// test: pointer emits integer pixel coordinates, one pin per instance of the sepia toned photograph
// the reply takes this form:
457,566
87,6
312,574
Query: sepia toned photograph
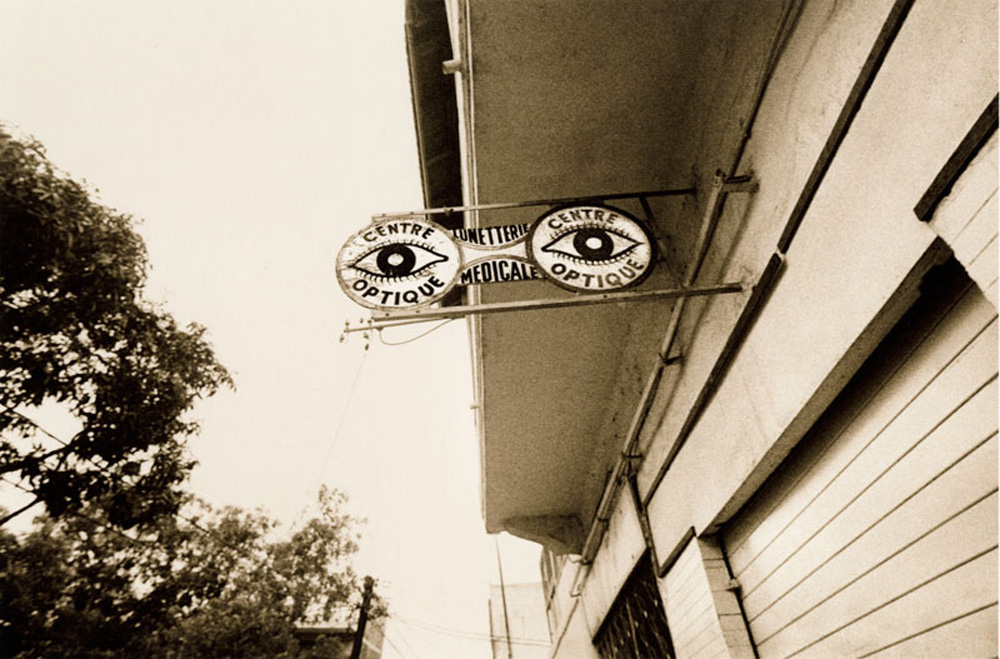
498,329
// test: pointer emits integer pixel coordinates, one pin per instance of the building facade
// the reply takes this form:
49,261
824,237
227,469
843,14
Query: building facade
518,626
804,467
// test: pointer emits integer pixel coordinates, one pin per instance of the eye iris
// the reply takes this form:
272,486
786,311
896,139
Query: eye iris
593,244
396,260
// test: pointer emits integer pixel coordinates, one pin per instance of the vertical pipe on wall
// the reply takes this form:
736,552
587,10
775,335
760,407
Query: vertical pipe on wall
883,42
714,206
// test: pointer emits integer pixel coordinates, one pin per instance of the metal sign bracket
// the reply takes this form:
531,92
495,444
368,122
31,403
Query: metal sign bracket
448,313
722,185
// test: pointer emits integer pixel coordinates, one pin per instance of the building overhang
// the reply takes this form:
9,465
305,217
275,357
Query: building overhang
659,101
435,108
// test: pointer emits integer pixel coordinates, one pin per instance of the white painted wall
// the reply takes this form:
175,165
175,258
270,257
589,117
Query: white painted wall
858,251
967,219
850,272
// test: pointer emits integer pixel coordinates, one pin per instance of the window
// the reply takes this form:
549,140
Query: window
552,566
636,625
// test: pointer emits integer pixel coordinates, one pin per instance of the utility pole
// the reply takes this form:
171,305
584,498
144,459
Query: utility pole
503,598
359,635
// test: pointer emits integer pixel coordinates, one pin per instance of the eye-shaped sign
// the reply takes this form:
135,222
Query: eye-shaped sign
409,261
591,248
398,264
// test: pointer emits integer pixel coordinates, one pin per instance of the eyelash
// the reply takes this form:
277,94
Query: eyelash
389,243
579,259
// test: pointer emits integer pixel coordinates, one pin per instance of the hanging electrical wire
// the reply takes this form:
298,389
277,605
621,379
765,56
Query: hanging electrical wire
470,635
409,651
195,524
414,338
395,647
92,520
336,434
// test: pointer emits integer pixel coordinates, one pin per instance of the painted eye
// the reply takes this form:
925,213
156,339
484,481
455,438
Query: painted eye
397,260
592,245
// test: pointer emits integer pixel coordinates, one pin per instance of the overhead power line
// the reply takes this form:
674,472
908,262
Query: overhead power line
195,524
470,635
336,433
397,630
412,338
93,520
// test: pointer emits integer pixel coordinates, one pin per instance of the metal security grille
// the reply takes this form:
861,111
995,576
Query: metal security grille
636,625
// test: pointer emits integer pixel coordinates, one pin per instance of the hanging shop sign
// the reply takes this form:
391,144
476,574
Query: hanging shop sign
491,236
591,248
494,254
497,269
408,262
398,264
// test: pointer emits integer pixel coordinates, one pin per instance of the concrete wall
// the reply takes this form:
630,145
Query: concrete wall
574,641
967,219
541,130
851,270
854,258
704,615
617,556
581,98
568,626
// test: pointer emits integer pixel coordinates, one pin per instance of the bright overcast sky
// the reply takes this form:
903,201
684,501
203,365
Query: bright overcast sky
252,138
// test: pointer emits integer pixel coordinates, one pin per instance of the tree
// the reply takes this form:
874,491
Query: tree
76,330
213,583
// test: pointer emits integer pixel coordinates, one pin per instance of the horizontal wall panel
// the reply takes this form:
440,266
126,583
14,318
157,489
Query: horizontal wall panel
862,451
966,537
869,406
991,293
687,599
880,527
686,590
977,183
877,496
705,643
967,219
978,628
933,507
967,587
981,229
983,266
696,617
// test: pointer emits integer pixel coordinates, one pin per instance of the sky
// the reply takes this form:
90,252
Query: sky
249,139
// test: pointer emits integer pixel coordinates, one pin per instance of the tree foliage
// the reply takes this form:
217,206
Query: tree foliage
76,330
213,583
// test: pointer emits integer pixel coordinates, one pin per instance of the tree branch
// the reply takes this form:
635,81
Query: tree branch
37,425
20,510
18,465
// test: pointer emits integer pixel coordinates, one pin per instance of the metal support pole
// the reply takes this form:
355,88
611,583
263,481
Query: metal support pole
721,187
443,313
503,598
448,210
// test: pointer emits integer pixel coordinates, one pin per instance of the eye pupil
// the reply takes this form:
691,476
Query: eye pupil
396,260
593,244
